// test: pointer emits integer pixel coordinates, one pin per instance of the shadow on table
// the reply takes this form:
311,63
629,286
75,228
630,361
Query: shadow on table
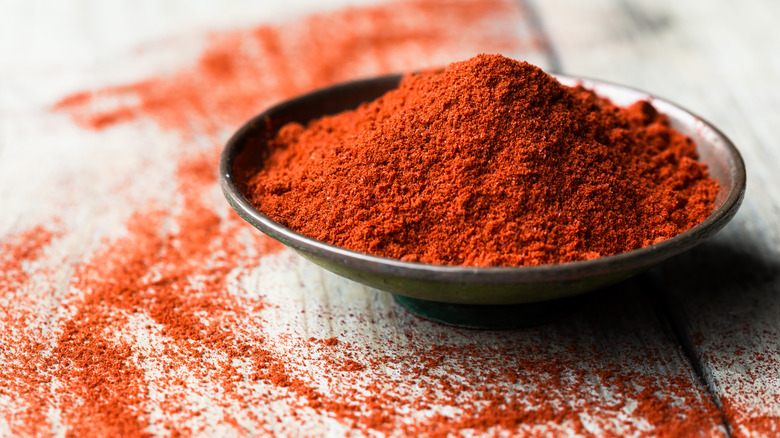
723,282
614,329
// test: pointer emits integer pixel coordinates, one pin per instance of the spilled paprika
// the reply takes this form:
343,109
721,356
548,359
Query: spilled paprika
490,162
155,334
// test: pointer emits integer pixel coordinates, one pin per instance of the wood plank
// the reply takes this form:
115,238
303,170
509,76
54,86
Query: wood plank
718,61
124,310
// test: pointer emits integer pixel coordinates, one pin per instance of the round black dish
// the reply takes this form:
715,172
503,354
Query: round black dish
500,296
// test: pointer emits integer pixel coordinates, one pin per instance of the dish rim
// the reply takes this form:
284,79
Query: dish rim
569,271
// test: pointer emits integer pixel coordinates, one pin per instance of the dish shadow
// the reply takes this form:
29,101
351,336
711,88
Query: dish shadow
728,280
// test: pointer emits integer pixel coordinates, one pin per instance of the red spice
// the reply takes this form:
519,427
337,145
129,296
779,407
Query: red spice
748,398
165,338
745,423
490,162
202,336
17,250
18,256
244,71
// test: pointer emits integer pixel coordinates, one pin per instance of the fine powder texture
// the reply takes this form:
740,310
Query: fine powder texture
188,322
491,162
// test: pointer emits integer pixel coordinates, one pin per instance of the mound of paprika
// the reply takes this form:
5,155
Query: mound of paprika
490,162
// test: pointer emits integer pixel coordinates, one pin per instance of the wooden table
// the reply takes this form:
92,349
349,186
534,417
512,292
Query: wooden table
132,300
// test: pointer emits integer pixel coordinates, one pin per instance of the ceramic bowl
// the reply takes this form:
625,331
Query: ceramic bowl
473,296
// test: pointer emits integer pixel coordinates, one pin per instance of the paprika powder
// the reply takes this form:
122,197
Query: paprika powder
161,330
491,162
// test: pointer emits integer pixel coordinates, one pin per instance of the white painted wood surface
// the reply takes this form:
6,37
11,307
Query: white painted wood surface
702,330
720,61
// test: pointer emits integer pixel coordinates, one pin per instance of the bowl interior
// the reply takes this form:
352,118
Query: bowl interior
246,150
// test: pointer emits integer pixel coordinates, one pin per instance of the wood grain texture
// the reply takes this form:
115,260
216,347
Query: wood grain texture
719,61
614,366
